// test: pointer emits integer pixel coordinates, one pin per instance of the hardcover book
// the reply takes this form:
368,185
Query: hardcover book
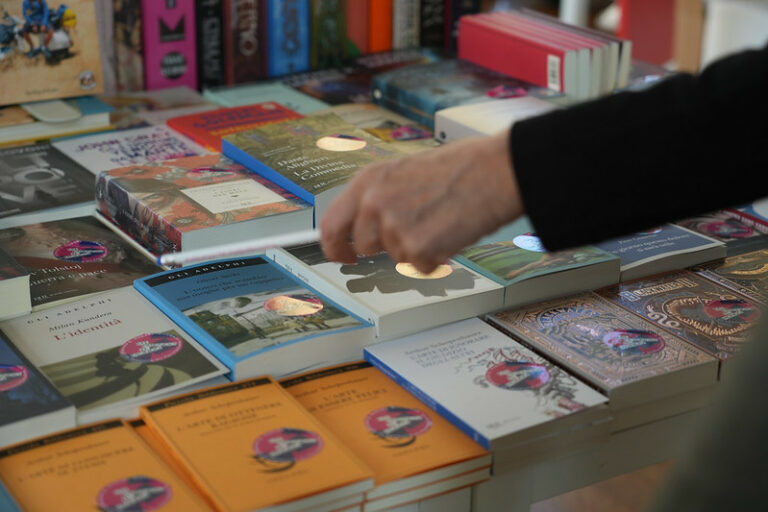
288,36
128,147
715,319
104,466
515,258
461,368
630,359
197,202
73,258
111,353
737,236
261,92
170,52
745,273
256,318
208,128
67,64
15,297
661,249
29,405
414,453
313,157
253,435
39,183
395,297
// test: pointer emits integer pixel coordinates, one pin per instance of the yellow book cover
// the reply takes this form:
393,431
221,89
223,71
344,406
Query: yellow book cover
387,427
103,466
249,445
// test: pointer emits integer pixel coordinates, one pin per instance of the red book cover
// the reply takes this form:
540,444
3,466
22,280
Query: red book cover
207,128
244,52
357,27
380,26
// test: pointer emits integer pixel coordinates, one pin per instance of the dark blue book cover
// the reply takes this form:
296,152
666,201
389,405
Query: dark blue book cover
287,36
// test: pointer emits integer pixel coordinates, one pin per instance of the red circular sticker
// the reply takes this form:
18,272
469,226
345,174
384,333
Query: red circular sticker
12,376
397,422
732,310
634,341
81,251
287,445
151,348
517,375
135,494
727,229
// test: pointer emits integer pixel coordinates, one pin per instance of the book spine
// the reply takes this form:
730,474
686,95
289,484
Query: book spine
405,24
379,25
170,56
328,33
287,36
432,23
247,54
210,43
129,46
454,10
426,399
747,219
357,27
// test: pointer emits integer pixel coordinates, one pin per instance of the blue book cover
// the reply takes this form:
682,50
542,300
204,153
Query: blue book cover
288,44
257,318
7,503
91,105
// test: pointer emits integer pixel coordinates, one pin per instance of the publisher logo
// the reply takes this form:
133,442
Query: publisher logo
282,448
398,425
12,376
150,348
506,91
208,174
134,494
408,270
341,142
81,251
634,341
87,80
529,242
517,375
294,305
727,229
733,311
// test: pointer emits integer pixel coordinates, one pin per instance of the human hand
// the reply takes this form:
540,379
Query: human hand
424,207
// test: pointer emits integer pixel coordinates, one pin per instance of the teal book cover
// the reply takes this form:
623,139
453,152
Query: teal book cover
268,91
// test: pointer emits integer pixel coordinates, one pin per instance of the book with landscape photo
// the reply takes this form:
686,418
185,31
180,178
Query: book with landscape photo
256,318
395,297
110,353
72,258
15,297
737,236
745,273
197,202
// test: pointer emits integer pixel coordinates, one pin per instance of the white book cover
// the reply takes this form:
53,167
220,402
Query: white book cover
484,382
106,151
395,297
111,352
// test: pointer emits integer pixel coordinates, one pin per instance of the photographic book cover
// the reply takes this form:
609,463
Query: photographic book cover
71,258
63,59
716,319
111,350
745,273
104,466
460,368
39,177
735,234
170,54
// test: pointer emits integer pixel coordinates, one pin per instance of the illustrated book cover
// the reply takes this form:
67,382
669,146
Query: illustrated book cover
170,44
256,318
69,259
737,236
15,297
287,40
745,273
395,297
110,353
753,214
253,435
196,202
379,122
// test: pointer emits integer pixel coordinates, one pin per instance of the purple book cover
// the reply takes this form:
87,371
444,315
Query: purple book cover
170,57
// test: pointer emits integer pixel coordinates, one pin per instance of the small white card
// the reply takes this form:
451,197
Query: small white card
232,195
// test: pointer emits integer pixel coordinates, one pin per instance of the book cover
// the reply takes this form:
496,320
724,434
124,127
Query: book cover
288,36
328,31
460,368
170,53
72,258
395,297
745,273
628,358
29,405
129,105
266,91
405,23
195,202
244,51
357,28
380,122
255,317
754,214
67,64
7,502
737,236
207,128
40,177
313,157
161,117
660,249
399,438
110,353
454,10
14,287
104,466
107,151
253,435
14,116
717,320
432,23
343,84
211,33
379,25
129,45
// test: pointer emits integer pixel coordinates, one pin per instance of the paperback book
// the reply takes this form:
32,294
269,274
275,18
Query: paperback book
288,40
745,273
129,106
29,405
103,466
244,58
72,258
395,297
515,258
15,298
715,319
197,202
328,30
265,91
737,236
253,435
313,157
110,353
256,318
7,502
170,52
754,214
414,453
380,122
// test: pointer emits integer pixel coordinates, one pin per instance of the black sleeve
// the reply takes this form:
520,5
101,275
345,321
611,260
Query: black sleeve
633,160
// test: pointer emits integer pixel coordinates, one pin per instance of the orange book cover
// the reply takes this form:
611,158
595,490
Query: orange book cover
250,445
103,466
380,26
207,128
387,427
